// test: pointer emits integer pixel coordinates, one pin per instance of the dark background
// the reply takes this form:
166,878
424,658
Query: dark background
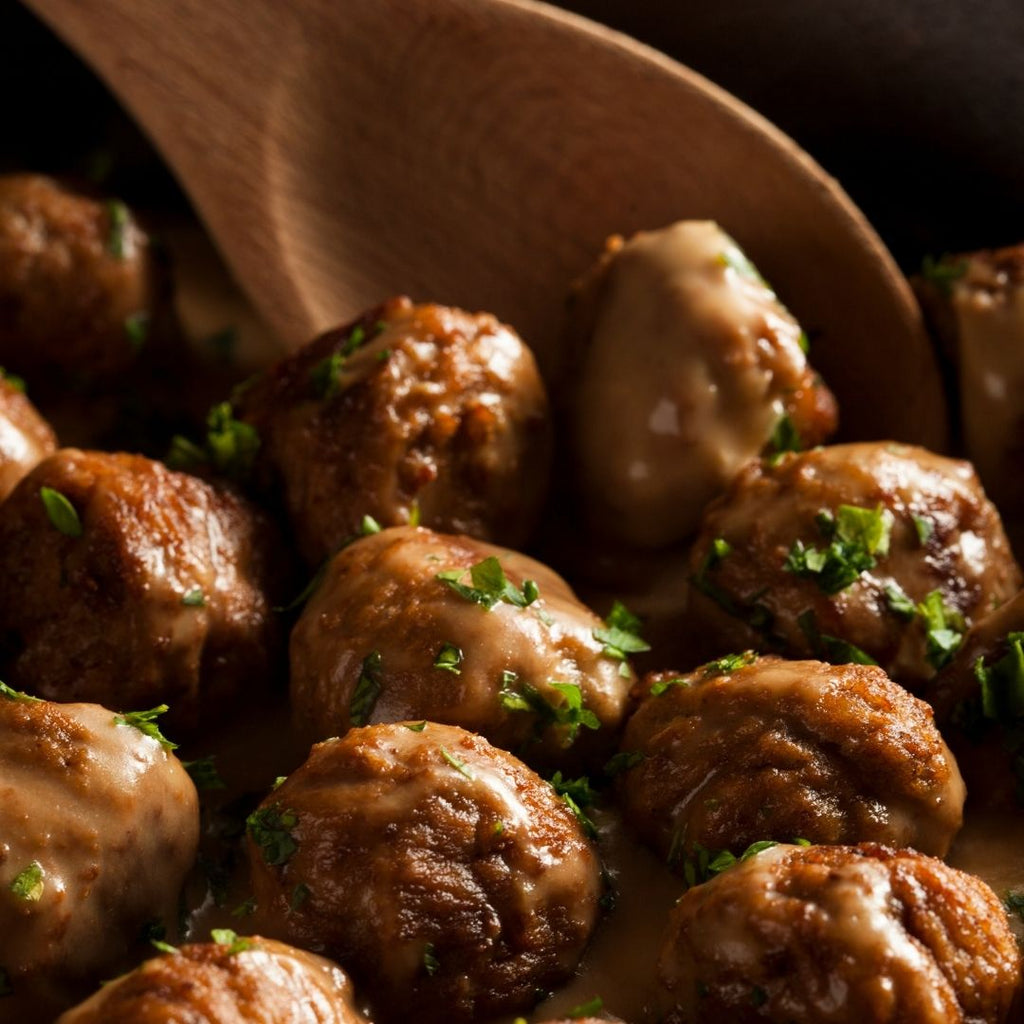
916,106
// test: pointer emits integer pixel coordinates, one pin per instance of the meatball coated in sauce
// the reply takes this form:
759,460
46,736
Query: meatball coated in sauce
161,598
75,275
884,547
688,367
245,981
840,935
98,826
443,873
413,407
25,437
748,750
385,639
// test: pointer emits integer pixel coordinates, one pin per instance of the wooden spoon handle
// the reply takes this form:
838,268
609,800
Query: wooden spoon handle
478,152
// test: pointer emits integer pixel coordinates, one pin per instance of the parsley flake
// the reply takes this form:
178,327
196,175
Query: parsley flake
368,526
13,380
898,602
230,443
723,666
587,1009
367,690
459,766
785,437
489,585
832,649
430,962
576,794
924,527
857,538
203,773
701,864
164,947
145,722
944,629
943,272
61,513
194,598
449,658
324,377
661,686
415,726
28,884
118,220
11,694
623,761
569,713
270,829
1014,902
235,943
300,894
620,634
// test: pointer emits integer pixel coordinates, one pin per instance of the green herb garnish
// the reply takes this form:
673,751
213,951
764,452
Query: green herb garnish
203,773
944,629
11,694
620,635
367,690
832,649
226,937
368,526
194,598
623,761
898,602
924,527
576,794
785,437
300,894
270,829
521,696
459,766
118,220
943,272
857,538
430,962
28,883
489,585
587,1009
61,513
449,658
722,666
145,722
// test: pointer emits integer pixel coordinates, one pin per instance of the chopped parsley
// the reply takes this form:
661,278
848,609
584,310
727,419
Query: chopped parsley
620,635
230,443
721,666
733,258
944,629
623,761
785,437
569,713
661,686
459,766
270,829
449,658
300,894
145,722
325,376
367,690
943,272
368,526
164,947
415,726
246,909
118,220
61,513
489,585
11,694
203,773
430,962
587,1009
194,598
857,538
1014,902
235,943
13,380
832,649
899,603
136,329
28,884
576,794
924,527
700,864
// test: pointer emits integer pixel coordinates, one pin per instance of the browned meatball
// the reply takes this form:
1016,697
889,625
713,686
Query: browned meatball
236,981
386,638
840,935
851,553
751,749
412,407
689,366
446,875
25,437
131,585
99,824
78,282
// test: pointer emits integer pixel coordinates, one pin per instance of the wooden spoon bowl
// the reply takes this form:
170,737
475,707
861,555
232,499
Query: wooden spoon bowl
478,152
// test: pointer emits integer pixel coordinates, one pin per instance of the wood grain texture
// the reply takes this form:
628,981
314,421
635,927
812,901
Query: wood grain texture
478,152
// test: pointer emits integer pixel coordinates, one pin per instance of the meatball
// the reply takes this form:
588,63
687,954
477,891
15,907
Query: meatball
975,302
414,410
863,552
748,749
979,702
236,981
25,437
79,284
840,934
704,369
99,824
451,880
411,624
130,585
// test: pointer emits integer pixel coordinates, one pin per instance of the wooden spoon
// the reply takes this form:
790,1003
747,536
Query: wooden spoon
478,152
